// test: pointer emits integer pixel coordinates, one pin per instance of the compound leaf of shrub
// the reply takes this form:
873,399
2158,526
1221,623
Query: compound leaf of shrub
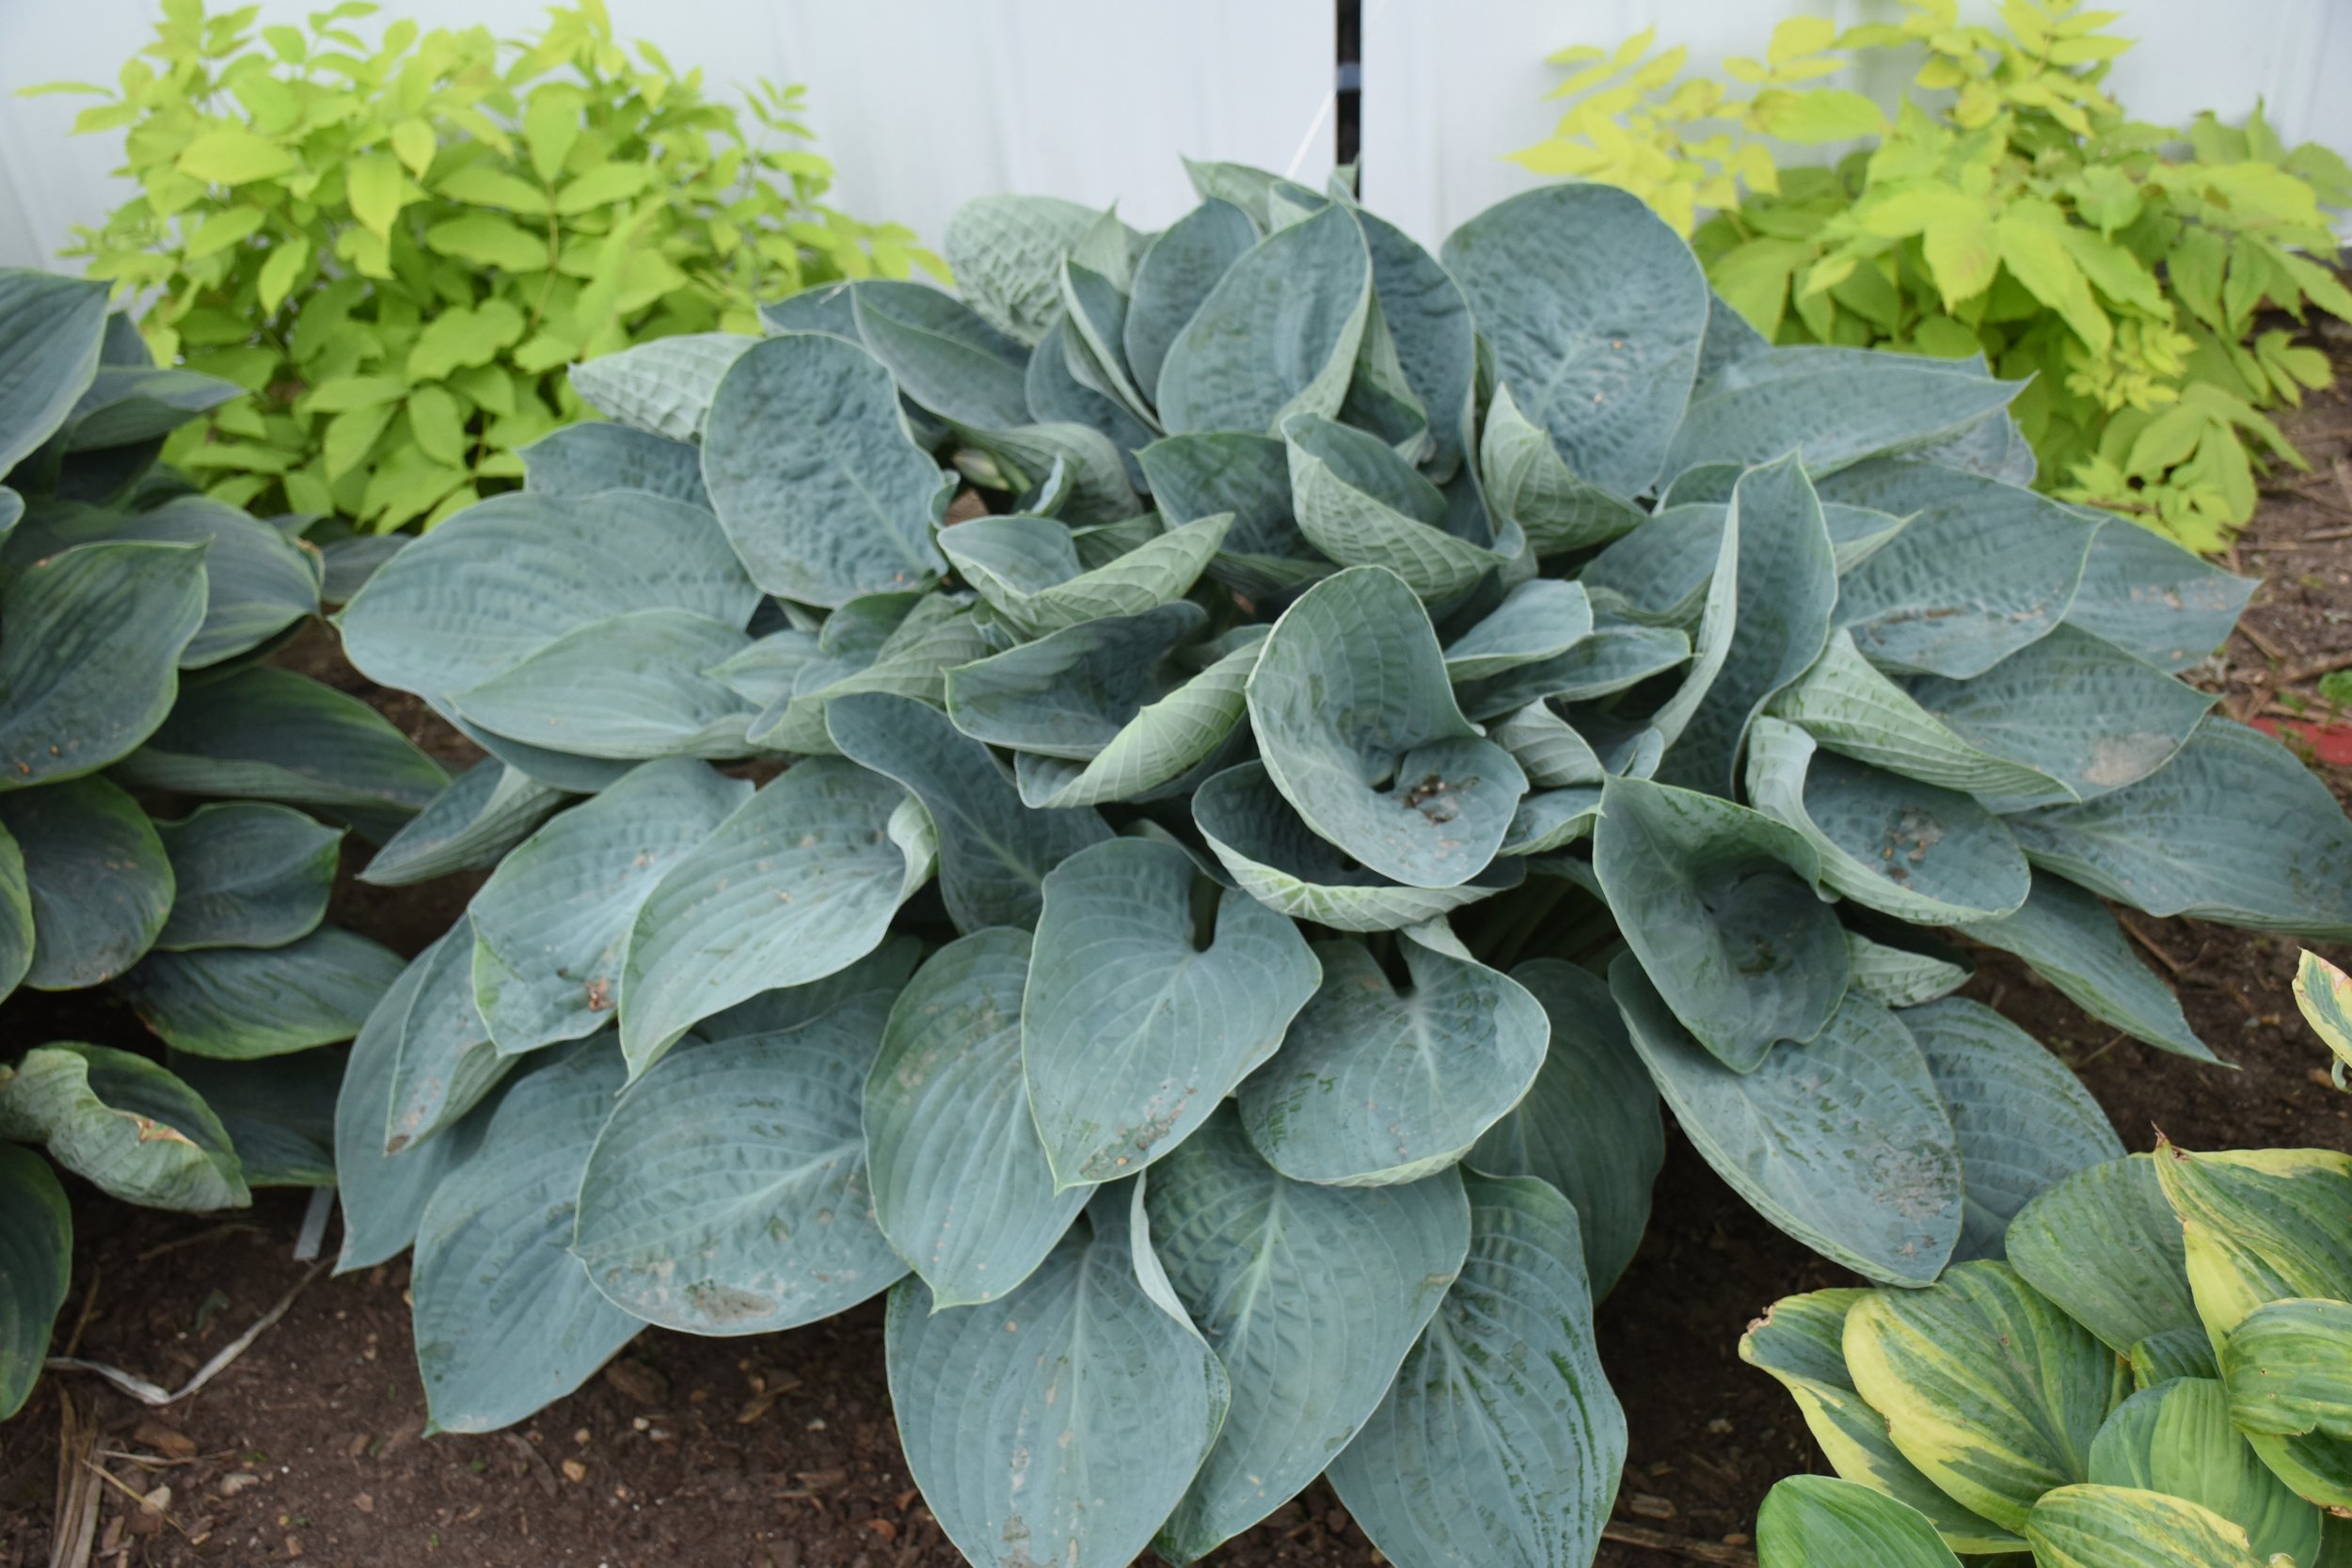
1821,1521
2068,937
484,812
1277,334
123,1123
246,874
2105,1246
97,878
582,459
37,1263
240,1003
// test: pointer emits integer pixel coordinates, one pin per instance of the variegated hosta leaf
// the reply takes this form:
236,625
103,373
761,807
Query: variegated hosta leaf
663,388
1909,849
1540,619
488,810
383,1196
123,1123
49,346
2233,828
2025,1122
1359,732
1992,1391
2149,596
2066,936
35,1265
2288,1369
813,476
446,1063
1028,570
2116,1526
2324,994
240,1003
1718,904
2104,1245
1141,1013
97,880
1173,278
582,459
2173,1354
1064,1423
552,923
1006,251
1898,976
1842,1142
2259,1225
890,642
1530,486
2177,1439
728,1192
506,1319
1821,1521
1800,1340
1835,406
797,882
1201,475
1310,1296
1277,334
16,913
1375,1085
1362,505
627,687
1617,654
1595,311
1589,1124
945,358
1501,1440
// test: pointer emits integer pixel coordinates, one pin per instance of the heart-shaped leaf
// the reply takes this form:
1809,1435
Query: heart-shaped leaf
245,875
1277,334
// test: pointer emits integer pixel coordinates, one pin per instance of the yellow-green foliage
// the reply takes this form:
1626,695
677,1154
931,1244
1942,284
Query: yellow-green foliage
2009,208
397,247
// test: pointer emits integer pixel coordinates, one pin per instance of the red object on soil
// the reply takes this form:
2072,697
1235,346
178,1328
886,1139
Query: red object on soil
2330,743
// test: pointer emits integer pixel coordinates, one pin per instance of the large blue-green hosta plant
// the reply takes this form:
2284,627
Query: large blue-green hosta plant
144,757
1157,929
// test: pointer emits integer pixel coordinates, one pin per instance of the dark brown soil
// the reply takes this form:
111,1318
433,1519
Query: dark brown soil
778,1452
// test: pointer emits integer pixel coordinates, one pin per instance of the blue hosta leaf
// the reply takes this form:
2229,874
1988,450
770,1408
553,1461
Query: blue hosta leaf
875,644
346,565
90,665
48,354
488,810
727,1194
1898,976
1842,1142
1596,310
1375,1085
1248,189
1094,333
1548,748
814,477
122,1122
1063,1422
764,669
1279,861
1659,573
1501,1440
1529,484
1983,568
1200,476
1309,1295
269,733
279,1114
2104,1245
1552,819
994,852
1075,461
552,923
1276,334
799,882
960,1181
1822,1522
506,1319
1137,1020
1618,653
663,388
247,876
1030,570
1589,1124
1362,505
2069,939
2024,1120
245,1002
885,969
1717,903
1056,395
2231,829
35,1265
2176,1439
1913,850
1857,533
446,1062
1006,252
1711,638
96,875
944,357
1360,732
1175,276
1428,320
2149,596
627,687
1838,406
582,459
16,913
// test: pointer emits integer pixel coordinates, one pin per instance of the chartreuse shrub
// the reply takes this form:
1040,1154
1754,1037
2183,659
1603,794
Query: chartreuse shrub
1232,909
397,246
131,612
2010,209
2160,1373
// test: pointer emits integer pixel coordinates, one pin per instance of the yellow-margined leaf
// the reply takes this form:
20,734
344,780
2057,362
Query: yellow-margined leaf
2325,994
2118,1526
2260,1225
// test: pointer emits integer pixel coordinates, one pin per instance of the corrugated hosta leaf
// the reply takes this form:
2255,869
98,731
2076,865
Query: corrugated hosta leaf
2233,828
1842,1142
1822,1522
1428,321
797,882
1799,1341
883,644
625,688
1548,748
2068,937
97,878
1659,571
48,354
1277,334
506,1319
582,459
91,661
1540,619
240,1003
727,1194
994,852
1028,569
2259,1225
1717,903
1835,405
36,1263
1909,849
1174,278
1310,1296
885,969
1359,732
488,810
2103,1244
1056,395
1006,252
663,388
2177,1439
1283,862
1528,484
813,475
1094,332
1589,1124
2115,1526
1618,653
2149,596
245,875
960,1183
1377,1086
1063,1422
945,358
383,1194
123,1123
1596,310
1362,505
1200,476
1501,1440
447,1062
1710,637
1982,569
278,1114
2025,1121
1898,976
764,669
1078,461
1132,1028
552,922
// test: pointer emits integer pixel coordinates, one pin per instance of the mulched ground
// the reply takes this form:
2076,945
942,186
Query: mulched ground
778,1452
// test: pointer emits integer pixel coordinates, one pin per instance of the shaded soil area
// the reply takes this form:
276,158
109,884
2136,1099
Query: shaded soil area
778,1452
